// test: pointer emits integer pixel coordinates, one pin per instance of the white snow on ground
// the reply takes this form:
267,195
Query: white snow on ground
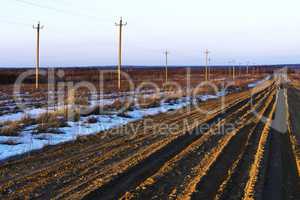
27,141
106,100
207,97
19,115
252,85
34,113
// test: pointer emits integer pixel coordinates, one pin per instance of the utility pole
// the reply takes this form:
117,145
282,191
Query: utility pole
253,68
240,69
233,69
166,66
209,69
38,28
248,68
229,68
206,64
233,72
120,25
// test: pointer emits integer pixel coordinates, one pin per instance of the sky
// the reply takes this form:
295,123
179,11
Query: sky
83,33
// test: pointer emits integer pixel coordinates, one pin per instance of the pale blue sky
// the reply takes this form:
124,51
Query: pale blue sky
81,32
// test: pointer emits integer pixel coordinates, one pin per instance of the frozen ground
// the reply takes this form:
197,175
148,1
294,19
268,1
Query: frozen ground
252,85
27,141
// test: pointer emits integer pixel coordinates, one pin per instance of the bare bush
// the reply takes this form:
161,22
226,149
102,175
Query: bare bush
92,120
11,129
10,142
117,106
50,122
27,120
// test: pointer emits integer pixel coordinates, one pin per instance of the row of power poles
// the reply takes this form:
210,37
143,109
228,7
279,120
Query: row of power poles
121,24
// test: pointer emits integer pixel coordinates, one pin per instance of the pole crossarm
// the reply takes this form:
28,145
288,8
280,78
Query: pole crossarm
38,27
121,23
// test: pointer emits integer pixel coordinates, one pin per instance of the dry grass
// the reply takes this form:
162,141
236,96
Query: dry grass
27,121
50,122
46,122
173,98
150,102
120,105
10,142
82,100
124,114
10,129
38,95
92,120
117,106
72,115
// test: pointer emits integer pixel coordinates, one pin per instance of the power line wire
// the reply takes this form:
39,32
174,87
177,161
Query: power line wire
11,22
69,12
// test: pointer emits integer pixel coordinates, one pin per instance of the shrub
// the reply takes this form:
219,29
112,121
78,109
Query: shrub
172,99
10,142
27,120
45,128
50,122
92,120
72,115
116,106
68,114
10,129
124,114
81,100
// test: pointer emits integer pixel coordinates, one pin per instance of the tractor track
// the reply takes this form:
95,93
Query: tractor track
176,173
138,173
80,172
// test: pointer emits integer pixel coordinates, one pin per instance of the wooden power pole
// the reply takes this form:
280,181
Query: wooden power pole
206,64
209,68
120,25
247,68
233,68
166,66
38,28
233,72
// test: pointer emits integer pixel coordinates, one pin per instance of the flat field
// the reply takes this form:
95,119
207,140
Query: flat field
225,139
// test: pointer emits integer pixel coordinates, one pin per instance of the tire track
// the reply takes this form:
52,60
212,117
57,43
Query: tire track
218,175
170,179
150,165
45,175
215,168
